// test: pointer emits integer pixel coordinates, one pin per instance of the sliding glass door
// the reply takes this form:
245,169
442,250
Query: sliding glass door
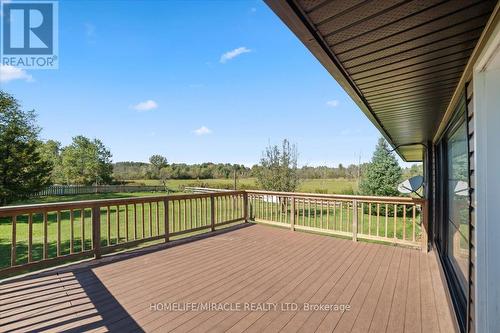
452,209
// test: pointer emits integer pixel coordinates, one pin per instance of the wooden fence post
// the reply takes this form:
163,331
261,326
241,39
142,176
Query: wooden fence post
166,220
425,223
355,220
245,206
212,212
96,231
292,212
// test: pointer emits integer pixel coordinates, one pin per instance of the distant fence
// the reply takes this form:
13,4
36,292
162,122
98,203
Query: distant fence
204,189
56,190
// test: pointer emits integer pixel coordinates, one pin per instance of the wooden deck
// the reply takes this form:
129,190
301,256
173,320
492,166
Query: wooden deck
388,289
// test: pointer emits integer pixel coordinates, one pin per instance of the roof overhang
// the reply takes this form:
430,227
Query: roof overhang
400,61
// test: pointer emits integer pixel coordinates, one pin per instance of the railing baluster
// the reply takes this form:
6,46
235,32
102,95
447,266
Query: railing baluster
143,221
166,219
135,221
334,222
96,231
386,218
178,217
13,253
58,239
348,212
322,223
378,218
82,220
404,222
71,231
362,222
424,217
341,216
413,222
150,220
126,222
196,220
355,220
316,213
369,218
30,237
395,220
117,224
157,218
212,213
309,212
205,202
45,235
244,203
108,226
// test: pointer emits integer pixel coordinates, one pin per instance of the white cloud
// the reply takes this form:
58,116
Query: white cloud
333,103
10,73
202,131
89,29
146,106
233,54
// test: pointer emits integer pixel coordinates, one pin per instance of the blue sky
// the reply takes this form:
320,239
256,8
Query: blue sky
195,81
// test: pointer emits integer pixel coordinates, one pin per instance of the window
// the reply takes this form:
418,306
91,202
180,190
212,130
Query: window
458,203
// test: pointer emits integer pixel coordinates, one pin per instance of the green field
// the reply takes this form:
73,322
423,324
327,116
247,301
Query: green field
327,186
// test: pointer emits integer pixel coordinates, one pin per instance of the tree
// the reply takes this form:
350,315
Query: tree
23,171
86,162
50,151
383,174
278,168
158,163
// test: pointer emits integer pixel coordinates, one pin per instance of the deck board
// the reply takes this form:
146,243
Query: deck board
388,288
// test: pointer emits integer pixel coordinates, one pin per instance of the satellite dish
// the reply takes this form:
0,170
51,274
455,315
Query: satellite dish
462,188
411,185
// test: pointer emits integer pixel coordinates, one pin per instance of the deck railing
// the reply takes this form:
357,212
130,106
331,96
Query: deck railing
44,234
397,220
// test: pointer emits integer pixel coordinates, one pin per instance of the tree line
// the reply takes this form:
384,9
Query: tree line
29,164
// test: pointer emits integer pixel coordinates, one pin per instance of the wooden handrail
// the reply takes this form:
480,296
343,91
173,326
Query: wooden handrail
26,209
341,196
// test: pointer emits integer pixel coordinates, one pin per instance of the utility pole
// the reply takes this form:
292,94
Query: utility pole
359,168
234,175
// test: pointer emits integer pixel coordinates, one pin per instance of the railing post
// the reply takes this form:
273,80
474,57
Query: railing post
425,222
212,212
245,206
355,220
96,231
166,220
292,212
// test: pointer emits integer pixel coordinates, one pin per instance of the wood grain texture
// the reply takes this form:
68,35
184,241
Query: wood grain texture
389,289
